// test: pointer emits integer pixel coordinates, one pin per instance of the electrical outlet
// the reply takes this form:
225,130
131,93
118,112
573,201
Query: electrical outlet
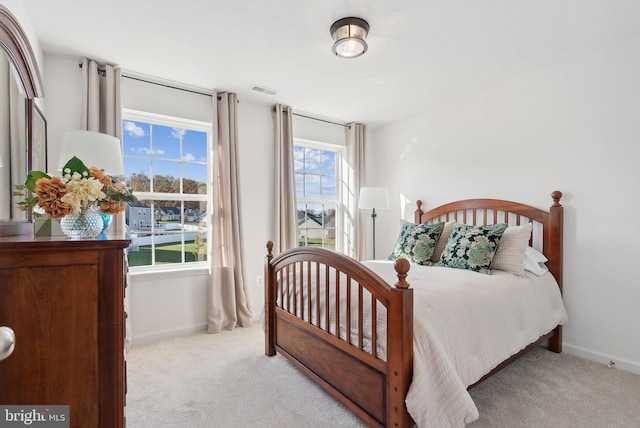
260,281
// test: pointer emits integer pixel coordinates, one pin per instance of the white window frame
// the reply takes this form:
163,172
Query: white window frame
341,153
171,121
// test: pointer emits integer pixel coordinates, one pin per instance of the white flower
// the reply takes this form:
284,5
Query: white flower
82,192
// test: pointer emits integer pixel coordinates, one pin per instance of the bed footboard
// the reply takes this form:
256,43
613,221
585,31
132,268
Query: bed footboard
344,327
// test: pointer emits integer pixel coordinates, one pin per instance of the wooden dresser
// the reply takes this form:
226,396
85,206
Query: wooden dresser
64,300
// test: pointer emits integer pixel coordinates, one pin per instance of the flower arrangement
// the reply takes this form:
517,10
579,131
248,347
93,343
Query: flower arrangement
74,192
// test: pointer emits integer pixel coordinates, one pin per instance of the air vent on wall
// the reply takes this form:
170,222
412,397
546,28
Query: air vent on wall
263,90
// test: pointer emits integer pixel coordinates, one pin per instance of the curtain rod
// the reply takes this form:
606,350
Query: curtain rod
322,120
168,86
102,72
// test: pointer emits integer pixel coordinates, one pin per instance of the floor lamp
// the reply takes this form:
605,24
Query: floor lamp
372,198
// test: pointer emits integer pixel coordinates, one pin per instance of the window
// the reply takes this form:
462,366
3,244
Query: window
166,163
317,193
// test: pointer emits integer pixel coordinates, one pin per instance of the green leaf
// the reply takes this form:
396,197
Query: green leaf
32,177
75,165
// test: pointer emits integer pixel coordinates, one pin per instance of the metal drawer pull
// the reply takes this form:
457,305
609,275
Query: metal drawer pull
7,342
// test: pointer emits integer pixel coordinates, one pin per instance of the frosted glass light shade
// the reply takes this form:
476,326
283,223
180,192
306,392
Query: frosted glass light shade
373,197
349,34
93,149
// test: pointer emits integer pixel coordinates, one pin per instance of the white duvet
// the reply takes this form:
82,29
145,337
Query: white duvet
465,324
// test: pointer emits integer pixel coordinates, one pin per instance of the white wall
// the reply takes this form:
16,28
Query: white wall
573,127
318,130
257,178
63,100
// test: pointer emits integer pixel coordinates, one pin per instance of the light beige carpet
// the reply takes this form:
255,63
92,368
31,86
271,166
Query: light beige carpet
225,380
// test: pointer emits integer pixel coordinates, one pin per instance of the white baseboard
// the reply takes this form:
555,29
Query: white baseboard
139,340
587,354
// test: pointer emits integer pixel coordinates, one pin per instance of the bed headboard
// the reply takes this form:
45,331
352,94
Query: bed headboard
547,225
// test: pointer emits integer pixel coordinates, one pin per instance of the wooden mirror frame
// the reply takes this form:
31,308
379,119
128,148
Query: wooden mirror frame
15,43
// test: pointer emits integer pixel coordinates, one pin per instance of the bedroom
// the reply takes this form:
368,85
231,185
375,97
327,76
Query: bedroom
566,122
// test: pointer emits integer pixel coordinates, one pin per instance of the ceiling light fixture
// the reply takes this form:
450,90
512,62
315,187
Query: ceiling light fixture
349,34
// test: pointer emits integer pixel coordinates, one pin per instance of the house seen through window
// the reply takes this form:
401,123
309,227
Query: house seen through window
166,162
317,193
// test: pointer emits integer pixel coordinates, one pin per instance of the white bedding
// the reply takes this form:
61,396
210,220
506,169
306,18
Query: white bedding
465,324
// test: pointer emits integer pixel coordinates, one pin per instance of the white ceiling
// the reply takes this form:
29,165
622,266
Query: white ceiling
422,53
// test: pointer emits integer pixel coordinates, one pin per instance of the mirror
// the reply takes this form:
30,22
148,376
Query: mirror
13,140
23,83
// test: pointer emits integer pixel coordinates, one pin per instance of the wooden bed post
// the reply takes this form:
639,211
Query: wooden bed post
553,238
269,304
418,213
553,248
400,348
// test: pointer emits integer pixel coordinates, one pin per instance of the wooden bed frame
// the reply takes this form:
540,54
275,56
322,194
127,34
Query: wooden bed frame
372,387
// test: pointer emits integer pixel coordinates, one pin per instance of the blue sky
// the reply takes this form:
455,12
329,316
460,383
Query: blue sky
171,150
315,172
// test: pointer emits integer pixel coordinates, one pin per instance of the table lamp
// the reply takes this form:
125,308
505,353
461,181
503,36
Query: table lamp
93,149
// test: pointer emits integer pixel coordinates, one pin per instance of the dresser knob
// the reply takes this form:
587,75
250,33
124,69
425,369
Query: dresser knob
7,342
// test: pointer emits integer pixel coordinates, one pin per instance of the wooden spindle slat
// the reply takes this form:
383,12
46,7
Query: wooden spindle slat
348,311
302,282
294,287
360,318
337,304
318,323
309,299
281,286
327,300
374,326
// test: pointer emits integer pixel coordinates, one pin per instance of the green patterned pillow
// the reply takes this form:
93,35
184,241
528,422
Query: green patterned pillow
416,242
472,247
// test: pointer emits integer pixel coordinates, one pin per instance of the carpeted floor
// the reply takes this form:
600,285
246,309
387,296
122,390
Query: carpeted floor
225,380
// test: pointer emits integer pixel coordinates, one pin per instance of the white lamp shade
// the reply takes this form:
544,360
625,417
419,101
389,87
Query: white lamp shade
93,149
373,197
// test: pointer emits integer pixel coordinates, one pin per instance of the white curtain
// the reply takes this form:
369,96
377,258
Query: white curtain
356,134
228,306
102,109
286,213
101,98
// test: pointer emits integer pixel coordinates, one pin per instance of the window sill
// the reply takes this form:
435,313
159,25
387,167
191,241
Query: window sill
172,271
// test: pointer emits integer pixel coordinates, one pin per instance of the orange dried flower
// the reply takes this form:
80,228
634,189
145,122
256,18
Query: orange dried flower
112,207
50,192
99,175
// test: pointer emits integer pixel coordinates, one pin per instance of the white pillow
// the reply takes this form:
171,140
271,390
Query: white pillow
534,261
511,249
442,241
